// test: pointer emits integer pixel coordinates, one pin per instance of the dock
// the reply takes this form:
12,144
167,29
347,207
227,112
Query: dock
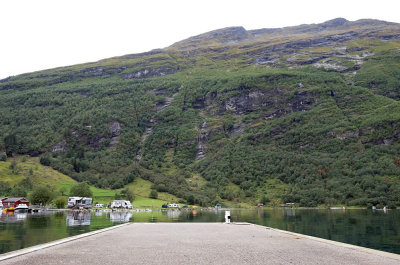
196,243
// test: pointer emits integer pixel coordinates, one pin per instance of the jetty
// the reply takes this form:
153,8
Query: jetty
196,243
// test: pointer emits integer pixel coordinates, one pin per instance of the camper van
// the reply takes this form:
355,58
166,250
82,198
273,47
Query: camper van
79,202
121,204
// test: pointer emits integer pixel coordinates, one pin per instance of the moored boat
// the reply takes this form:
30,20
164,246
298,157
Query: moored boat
21,207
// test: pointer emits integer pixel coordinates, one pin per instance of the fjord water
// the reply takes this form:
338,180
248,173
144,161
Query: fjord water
373,229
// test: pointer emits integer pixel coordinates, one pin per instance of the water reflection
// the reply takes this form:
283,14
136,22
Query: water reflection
98,213
78,218
12,217
120,216
173,214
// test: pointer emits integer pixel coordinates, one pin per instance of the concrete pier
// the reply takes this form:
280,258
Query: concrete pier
197,243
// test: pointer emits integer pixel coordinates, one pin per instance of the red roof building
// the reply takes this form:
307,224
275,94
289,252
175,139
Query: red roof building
14,202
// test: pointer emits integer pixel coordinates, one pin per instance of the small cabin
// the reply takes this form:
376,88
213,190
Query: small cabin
14,202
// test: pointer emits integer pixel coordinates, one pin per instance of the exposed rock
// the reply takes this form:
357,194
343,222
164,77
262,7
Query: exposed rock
150,72
275,102
93,71
59,147
347,135
114,141
75,134
115,129
387,141
190,142
237,129
201,140
300,85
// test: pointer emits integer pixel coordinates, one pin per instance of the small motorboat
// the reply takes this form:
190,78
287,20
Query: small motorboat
21,207
7,210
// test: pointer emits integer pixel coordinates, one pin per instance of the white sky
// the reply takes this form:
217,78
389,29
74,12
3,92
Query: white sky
42,34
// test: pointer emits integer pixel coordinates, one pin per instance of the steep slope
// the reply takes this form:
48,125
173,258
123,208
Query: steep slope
306,114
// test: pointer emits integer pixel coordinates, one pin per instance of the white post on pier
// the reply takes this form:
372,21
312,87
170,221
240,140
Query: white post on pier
227,217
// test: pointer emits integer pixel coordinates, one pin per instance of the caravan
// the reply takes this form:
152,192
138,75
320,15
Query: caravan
121,204
79,202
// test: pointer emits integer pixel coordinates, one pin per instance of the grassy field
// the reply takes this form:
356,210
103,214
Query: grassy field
142,188
31,167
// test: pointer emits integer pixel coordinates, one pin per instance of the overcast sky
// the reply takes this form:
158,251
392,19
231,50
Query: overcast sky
42,34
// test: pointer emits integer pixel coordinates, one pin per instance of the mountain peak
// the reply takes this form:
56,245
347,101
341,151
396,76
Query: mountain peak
229,35
336,22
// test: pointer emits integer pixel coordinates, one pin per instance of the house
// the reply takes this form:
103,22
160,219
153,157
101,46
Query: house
1,202
14,202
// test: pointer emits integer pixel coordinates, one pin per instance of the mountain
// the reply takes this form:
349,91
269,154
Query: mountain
306,114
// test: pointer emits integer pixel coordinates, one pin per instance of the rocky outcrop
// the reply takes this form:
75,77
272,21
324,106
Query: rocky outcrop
115,131
151,123
276,100
59,147
150,72
201,141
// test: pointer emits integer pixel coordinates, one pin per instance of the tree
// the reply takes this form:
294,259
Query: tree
41,194
81,190
3,156
264,199
5,188
11,144
18,191
45,161
153,194
60,202
127,194
190,199
63,190
14,166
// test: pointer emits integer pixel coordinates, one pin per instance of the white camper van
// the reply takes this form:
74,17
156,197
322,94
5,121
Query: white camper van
121,204
79,202
174,205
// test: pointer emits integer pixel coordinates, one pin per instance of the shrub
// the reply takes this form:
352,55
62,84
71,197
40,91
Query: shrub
60,202
153,194
41,195
81,189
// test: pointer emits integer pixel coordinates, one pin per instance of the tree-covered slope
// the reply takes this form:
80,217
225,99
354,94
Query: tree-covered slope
306,114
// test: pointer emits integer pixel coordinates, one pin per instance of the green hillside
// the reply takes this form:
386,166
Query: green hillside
306,114
20,170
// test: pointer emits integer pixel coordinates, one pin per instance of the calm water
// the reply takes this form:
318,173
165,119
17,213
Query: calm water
366,228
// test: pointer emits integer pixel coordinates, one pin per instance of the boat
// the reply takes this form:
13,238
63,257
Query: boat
7,210
21,207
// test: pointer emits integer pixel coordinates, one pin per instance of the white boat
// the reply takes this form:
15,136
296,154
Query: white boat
21,207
